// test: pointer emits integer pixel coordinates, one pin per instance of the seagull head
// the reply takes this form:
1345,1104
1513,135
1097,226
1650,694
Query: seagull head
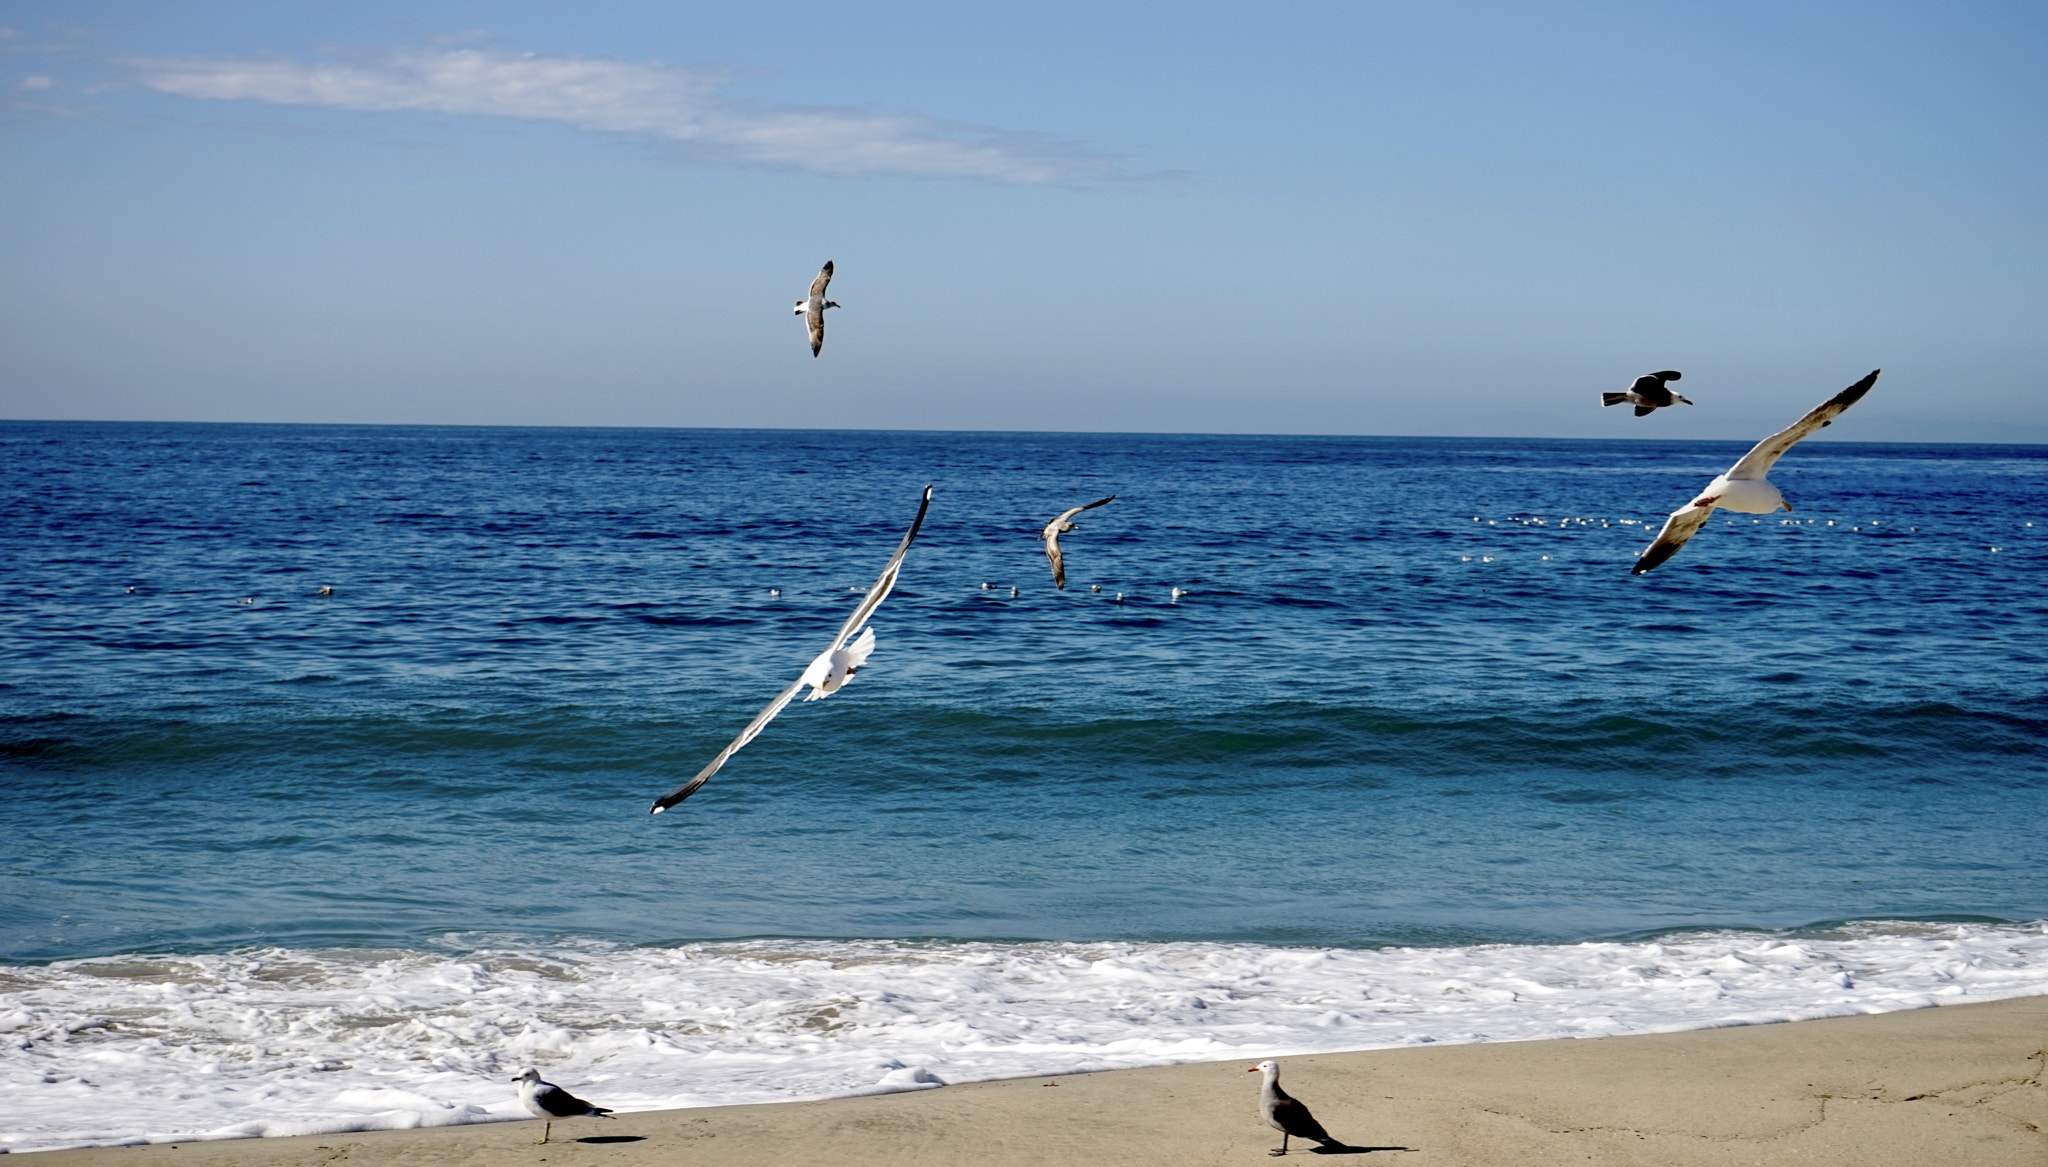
528,1076
1269,1066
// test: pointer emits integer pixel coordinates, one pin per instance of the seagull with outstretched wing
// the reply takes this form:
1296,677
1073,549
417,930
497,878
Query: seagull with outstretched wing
1060,526
1648,394
812,308
1746,487
832,669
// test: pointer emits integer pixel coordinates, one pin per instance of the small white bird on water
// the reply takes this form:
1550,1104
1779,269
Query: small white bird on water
832,669
1284,1113
1060,526
812,308
549,1101
1745,487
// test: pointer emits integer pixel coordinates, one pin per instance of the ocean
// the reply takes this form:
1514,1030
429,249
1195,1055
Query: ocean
1415,759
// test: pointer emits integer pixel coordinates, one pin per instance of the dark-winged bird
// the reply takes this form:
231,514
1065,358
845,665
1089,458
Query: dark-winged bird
812,308
1061,526
1286,1114
549,1101
1648,393
1744,487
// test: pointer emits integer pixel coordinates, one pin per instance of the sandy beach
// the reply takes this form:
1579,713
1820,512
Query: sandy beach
1962,1084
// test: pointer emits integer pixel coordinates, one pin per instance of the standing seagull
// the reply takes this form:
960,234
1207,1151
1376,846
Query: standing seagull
549,1101
1648,393
812,307
831,670
1744,487
1285,1114
1061,526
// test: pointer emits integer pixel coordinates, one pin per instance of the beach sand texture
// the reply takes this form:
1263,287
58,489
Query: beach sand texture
1955,1085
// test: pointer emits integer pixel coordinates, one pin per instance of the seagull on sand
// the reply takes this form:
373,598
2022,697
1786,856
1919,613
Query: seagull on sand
1745,487
812,307
549,1101
1061,526
1648,394
1284,1114
832,669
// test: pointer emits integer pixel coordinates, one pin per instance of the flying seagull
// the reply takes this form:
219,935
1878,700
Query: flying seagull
1648,393
549,1101
1286,1115
812,307
1745,487
1061,526
833,668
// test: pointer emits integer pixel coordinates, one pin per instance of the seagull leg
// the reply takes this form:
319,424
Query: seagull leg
545,1132
1283,1145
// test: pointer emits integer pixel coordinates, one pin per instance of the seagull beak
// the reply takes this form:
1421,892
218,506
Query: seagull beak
1787,506
1251,1069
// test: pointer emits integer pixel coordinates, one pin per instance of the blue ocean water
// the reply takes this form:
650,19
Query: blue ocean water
1412,697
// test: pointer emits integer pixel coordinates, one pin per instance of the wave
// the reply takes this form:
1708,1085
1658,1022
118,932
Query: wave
277,1041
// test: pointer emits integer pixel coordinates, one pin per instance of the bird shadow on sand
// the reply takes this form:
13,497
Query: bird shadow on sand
614,1139
1344,1150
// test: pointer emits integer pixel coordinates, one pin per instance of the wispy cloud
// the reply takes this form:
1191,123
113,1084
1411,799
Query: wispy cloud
652,100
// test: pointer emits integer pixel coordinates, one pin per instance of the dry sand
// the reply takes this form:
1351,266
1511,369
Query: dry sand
1958,1085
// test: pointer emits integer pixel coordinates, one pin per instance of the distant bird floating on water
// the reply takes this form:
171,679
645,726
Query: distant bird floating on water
1745,487
549,1101
832,669
1060,526
324,591
1284,1113
812,308
1648,394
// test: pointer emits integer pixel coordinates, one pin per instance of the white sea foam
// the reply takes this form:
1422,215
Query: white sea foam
272,1042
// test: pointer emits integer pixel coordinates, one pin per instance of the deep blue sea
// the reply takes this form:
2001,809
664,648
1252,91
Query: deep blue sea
1412,701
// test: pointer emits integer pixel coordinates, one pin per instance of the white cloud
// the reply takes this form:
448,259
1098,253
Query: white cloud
38,81
653,100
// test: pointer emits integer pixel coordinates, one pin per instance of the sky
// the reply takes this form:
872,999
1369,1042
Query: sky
1363,218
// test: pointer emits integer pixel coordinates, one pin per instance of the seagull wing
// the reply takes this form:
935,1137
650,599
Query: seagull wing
1291,1116
814,325
561,1103
1682,525
868,604
823,281
1070,512
748,734
885,581
1758,462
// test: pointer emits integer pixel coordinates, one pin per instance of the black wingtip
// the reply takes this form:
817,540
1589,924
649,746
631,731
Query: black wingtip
1854,393
1670,375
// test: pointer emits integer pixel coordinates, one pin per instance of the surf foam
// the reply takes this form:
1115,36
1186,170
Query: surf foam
135,1049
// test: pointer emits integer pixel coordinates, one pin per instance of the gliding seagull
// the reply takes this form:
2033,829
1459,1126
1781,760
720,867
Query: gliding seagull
1648,393
827,674
1744,487
812,308
1061,526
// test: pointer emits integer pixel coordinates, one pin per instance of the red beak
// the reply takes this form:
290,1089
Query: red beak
1251,1069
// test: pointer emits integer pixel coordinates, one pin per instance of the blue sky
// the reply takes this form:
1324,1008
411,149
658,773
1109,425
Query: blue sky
1452,219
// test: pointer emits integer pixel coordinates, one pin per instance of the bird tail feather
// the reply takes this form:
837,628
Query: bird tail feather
1613,398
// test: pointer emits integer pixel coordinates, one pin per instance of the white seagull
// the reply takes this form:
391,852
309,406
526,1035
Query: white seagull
1285,1114
812,308
832,669
549,1101
1648,394
1745,487
1061,526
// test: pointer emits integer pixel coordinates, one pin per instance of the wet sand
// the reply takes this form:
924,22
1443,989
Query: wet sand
1956,1085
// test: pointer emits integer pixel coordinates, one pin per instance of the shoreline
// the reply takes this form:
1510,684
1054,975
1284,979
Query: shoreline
1954,1083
